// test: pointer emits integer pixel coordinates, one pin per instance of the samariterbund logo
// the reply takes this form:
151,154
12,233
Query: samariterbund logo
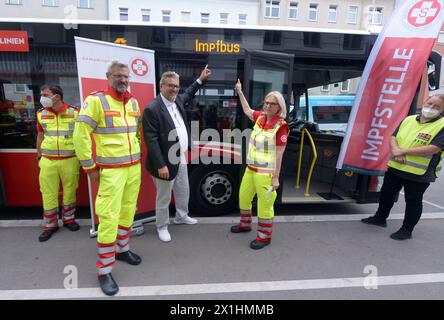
424,12
14,41
139,67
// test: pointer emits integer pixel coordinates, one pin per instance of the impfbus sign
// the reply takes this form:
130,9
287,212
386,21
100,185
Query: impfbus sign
16,41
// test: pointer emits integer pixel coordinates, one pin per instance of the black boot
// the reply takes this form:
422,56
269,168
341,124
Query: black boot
256,245
129,257
47,234
73,226
108,285
238,229
401,234
375,221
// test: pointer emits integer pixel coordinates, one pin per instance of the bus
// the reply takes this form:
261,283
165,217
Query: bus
288,60
331,113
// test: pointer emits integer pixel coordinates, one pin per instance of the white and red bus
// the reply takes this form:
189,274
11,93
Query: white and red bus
292,61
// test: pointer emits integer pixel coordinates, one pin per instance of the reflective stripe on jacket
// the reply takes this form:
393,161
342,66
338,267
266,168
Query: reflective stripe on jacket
58,129
115,128
412,134
262,146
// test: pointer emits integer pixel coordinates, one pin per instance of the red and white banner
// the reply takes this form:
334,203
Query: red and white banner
388,85
14,41
93,59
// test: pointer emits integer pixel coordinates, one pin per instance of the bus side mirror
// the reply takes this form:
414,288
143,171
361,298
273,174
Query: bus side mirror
434,71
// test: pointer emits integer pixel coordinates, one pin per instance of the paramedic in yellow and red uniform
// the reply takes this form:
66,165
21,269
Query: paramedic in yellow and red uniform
113,116
266,148
57,160
417,149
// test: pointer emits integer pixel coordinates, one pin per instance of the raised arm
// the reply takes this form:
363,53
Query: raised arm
245,106
192,89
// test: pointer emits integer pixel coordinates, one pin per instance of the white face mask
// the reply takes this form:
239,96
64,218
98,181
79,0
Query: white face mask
429,113
46,102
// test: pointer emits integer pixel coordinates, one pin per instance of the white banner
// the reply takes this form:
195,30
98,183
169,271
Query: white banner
93,59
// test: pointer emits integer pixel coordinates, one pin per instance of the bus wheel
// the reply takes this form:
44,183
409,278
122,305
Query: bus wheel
214,190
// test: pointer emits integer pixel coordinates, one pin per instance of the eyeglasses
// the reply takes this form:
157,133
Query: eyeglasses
172,86
121,76
273,104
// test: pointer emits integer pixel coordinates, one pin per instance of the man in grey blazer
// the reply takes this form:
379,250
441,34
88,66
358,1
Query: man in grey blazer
167,137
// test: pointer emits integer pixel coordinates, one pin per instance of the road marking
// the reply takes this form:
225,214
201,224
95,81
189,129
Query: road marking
428,202
214,288
229,220
433,204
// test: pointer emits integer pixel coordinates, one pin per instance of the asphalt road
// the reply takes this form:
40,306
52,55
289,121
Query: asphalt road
318,252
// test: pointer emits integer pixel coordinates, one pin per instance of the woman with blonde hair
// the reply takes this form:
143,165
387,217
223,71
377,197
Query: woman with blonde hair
266,148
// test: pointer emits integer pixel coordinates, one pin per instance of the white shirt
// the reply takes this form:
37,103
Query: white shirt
180,127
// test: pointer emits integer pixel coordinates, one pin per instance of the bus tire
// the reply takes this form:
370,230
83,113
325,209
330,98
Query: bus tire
214,190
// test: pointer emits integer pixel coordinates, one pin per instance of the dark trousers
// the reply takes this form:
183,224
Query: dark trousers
413,191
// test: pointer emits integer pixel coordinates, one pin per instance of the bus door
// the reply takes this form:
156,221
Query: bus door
267,71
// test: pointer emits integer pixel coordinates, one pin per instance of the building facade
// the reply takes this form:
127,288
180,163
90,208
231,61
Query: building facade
232,12
331,14
55,9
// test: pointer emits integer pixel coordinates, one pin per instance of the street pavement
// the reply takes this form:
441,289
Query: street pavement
317,252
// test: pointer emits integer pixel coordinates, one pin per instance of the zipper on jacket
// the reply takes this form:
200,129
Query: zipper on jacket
127,132
57,137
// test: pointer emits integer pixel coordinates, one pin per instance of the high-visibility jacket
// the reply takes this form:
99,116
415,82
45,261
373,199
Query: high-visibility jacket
58,129
115,128
412,134
262,149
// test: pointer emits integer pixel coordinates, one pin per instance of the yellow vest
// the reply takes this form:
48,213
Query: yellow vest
115,128
262,148
58,132
414,134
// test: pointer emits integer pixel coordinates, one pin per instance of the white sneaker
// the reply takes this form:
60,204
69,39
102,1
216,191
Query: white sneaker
185,220
164,235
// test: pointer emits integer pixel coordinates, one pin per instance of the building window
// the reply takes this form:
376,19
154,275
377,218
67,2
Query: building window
166,16
204,18
224,18
332,13
123,14
243,19
352,15
375,15
146,15
293,10
313,12
272,9
185,16
325,88
312,39
85,4
441,37
50,3
272,37
15,2
353,42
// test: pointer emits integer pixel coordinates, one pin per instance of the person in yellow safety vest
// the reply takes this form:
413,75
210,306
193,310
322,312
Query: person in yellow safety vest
416,158
266,148
113,116
57,160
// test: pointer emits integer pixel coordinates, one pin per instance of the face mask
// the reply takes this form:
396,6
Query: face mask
46,102
429,113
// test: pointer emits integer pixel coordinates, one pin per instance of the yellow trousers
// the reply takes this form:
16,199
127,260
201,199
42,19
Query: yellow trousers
116,200
257,183
51,173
